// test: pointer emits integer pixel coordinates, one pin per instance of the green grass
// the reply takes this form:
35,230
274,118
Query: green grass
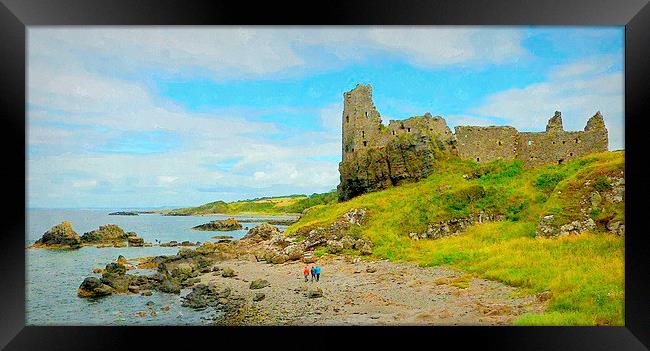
584,274
292,204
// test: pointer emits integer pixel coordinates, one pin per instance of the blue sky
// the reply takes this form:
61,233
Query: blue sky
173,116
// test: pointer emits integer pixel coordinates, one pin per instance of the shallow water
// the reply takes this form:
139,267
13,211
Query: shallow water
53,276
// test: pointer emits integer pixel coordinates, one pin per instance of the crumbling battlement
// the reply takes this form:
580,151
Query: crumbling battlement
369,143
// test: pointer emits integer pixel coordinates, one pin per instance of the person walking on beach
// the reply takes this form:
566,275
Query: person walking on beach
313,273
317,271
305,272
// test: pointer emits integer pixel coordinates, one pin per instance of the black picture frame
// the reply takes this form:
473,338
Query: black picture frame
15,15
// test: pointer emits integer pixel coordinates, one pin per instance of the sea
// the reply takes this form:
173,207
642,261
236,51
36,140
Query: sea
53,276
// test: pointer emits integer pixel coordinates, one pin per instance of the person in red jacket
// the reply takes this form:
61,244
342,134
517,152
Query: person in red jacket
305,272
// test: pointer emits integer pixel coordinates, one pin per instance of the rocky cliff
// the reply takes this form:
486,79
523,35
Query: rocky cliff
406,158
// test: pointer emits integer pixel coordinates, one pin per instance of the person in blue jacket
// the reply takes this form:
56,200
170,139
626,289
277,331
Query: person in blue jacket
317,271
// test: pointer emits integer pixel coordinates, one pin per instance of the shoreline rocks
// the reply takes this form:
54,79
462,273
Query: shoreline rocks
61,236
220,225
111,235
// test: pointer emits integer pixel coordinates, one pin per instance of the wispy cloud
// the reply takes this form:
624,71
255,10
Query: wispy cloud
591,88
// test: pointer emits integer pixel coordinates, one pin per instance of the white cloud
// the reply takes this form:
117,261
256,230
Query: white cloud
437,46
67,124
166,180
590,66
228,52
589,90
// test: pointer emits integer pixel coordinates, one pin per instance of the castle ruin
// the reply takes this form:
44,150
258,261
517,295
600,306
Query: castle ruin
376,156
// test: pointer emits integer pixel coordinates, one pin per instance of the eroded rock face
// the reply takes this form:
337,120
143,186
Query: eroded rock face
407,158
60,236
220,225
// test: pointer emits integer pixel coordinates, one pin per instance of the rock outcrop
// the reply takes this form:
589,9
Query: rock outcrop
61,236
403,159
220,225
111,235
262,232
454,226
597,204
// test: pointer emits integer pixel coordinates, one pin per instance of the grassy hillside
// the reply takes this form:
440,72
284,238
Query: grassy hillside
584,273
292,204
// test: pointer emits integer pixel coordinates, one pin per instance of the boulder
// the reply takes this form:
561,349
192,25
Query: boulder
169,286
261,232
293,252
135,241
279,259
348,242
314,292
121,260
334,246
60,236
228,272
259,284
115,268
119,283
203,296
259,296
93,287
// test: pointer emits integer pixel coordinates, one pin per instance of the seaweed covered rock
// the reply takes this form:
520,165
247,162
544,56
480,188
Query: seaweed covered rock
93,287
60,236
220,225
105,233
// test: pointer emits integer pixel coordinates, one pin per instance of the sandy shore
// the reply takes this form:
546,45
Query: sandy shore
395,293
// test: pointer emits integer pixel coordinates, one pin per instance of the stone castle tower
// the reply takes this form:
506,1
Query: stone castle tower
368,146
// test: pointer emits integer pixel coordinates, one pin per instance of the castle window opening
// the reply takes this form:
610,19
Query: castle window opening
577,140
559,162
363,134
563,142
393,132
499,142
366,113
408,130
347,119
478,159
365,143
553,143
570,153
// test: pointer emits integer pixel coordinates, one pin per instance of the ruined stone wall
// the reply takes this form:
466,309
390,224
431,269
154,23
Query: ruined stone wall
377,156
557,146
484,144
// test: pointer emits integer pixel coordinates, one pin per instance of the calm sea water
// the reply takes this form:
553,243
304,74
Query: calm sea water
53,276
